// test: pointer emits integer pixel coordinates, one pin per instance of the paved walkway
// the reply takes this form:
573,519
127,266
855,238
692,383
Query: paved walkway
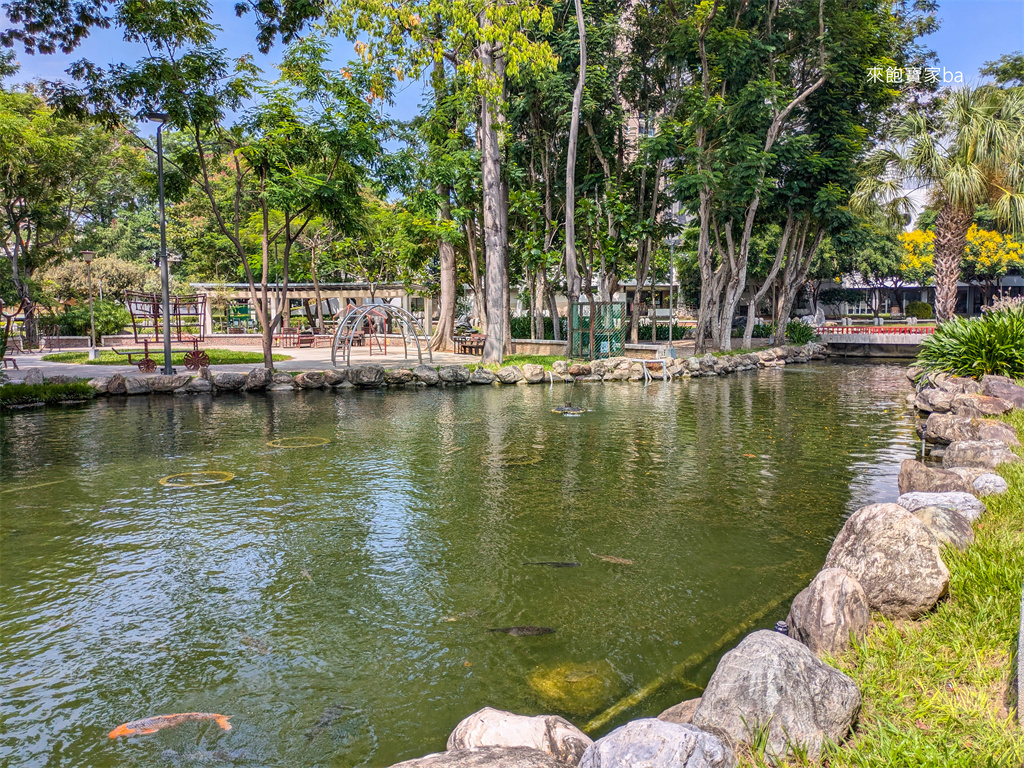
302,360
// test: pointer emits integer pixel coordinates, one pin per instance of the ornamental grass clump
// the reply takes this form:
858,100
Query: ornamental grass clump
12,395
991,344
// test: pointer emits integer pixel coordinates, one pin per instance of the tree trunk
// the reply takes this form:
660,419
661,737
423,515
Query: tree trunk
321,328
494,250
951,227
479,304
444,333
572,277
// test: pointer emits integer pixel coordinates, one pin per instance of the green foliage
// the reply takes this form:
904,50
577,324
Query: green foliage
111,318
799,332
522,327
992,343
26,394
922,310
763,331
836,296
109,357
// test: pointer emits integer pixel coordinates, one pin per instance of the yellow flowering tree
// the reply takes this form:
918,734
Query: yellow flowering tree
917,262
989,256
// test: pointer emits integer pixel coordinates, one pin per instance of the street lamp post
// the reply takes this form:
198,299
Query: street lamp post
93,352
165,279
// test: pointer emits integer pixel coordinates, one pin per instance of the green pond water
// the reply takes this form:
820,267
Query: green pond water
335,600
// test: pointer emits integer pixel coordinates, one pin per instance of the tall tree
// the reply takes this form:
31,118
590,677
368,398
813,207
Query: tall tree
968,152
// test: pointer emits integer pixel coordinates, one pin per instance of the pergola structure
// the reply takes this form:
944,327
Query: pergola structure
413,299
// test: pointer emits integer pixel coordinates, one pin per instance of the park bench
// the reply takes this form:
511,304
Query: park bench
195,358
471,345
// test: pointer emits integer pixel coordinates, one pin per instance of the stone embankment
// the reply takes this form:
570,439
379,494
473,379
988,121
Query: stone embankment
377,376
775,690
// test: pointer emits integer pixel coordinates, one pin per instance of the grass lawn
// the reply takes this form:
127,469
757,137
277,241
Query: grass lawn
937,691
107,357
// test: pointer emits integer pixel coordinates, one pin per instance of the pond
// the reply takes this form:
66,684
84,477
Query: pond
336,599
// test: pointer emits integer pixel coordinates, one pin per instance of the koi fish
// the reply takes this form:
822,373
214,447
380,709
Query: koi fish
612,559
158,722
524,631
555,564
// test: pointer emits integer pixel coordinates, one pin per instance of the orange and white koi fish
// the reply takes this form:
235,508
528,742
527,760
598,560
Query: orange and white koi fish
158,722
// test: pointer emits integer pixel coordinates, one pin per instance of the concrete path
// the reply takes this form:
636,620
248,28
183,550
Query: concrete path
302,360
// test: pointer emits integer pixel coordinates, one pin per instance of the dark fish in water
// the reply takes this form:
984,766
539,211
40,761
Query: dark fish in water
206,756
524,631
555,564
257,645
329,717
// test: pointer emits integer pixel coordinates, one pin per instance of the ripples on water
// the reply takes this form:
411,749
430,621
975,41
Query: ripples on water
335,600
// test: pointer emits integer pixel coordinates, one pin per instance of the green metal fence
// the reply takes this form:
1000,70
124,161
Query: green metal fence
598,329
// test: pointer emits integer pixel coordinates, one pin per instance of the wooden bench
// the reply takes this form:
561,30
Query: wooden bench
471,345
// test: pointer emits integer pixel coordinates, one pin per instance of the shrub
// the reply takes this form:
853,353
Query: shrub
522,327
763,331
111,318
24,394
1005,302
922,310
799,332
992,343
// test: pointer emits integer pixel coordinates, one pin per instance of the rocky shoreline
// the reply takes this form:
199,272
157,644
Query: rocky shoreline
773,688
377,376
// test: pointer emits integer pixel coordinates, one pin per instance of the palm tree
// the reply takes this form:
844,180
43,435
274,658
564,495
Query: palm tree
967,152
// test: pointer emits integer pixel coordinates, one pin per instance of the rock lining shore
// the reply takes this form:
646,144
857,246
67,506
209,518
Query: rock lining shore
377,376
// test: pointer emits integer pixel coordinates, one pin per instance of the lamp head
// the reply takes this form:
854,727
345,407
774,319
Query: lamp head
157,117
88,256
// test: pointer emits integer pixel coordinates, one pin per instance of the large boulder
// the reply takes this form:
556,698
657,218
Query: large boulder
198,385
653,743
1004,389
366,376
987,454
965,503
990,429
257,379
482,376
980,481
510,374
949,428
334,377
136,385
168,383
831,611
934,400
396,377
229,381
681,712
100,384
533,373
485,757
955,385
979,406
311,380
454,374
426,375
895,558
916,476
35,376
773,682
947,526
116,385
496,728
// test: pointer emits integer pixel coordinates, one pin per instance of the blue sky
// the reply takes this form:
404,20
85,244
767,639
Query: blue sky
972,32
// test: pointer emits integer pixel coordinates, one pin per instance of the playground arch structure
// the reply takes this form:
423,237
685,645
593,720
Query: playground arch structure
351,324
